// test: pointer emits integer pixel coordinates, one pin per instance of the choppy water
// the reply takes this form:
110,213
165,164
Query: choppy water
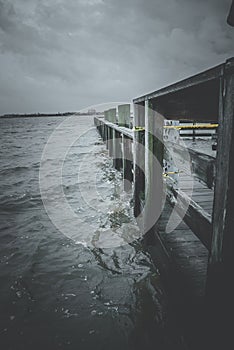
54,292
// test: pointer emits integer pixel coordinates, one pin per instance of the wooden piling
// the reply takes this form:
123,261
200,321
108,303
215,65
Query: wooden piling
127,163
220,289
124,115
112,115
139,158
117,151
154,123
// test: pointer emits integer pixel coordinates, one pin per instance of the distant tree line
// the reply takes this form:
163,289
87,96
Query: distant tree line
65,114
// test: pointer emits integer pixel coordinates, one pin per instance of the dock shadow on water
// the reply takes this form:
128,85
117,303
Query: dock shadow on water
57,293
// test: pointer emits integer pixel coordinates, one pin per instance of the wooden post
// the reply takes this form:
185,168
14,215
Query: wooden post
139,158
220,289
112,115
124,115
127,163
154,123
106,115
103,131
117,155
110,141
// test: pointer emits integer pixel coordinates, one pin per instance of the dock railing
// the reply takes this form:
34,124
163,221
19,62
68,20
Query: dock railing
207,98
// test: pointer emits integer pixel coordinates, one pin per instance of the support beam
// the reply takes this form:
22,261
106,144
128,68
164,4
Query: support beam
154,148
220,286
117,152
127,163
139,158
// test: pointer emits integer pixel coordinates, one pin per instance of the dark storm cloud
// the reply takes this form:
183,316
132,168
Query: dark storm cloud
65,55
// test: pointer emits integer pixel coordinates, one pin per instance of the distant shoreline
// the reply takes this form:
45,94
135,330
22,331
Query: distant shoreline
32,115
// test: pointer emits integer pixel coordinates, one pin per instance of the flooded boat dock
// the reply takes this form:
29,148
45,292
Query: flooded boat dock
183,196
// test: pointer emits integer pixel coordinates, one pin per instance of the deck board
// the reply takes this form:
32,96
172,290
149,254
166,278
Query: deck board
189,256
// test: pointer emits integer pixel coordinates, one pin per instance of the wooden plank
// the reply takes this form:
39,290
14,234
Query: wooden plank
122,130
203,166
193,214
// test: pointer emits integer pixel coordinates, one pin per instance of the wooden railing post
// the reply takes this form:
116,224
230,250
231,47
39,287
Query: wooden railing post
124,115
220,289
127,163
117,152
153,168
139,157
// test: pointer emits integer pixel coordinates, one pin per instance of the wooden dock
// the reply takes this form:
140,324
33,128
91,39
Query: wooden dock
192,240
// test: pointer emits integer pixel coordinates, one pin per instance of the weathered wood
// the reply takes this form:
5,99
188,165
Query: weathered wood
117,151
193,215
219,284
112,115
210,74
203,165
154,150
124,115
106,115
127,163
139,159
110,141
122,130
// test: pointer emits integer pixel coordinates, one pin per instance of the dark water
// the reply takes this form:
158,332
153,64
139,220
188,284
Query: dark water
56,293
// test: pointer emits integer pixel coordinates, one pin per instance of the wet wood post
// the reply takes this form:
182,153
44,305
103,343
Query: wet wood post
110,118
103,130
113,147
107,131
116,137
220,289
139,158
154,149
124,121
118,162
127,163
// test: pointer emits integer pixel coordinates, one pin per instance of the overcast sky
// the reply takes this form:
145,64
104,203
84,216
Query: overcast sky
64,55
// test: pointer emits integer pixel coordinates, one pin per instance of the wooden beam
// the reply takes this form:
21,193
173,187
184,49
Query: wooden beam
220,287
198,220
139,159
127,163
203,166
117,152
154,150
122,130
210,74
223,218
